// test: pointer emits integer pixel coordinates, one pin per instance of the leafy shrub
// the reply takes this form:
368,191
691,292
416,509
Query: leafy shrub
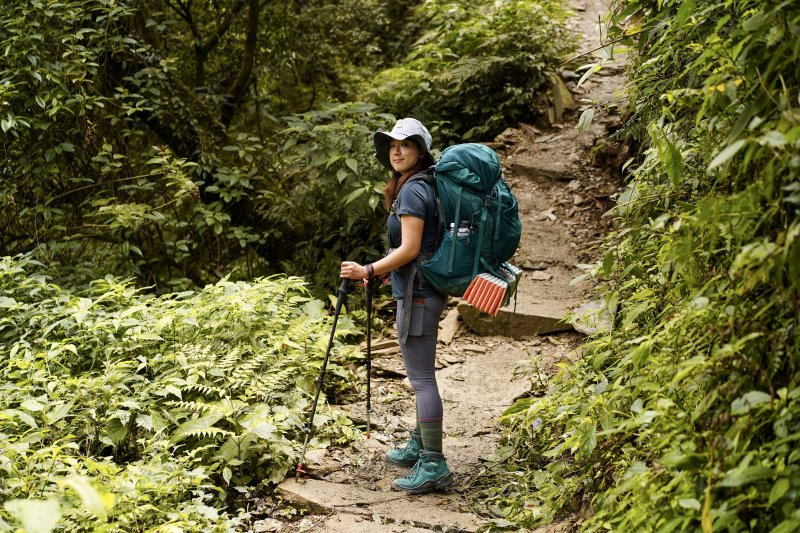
331,203
157,407
477,67
685,415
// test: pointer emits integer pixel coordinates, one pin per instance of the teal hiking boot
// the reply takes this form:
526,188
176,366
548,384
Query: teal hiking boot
408,454
430,473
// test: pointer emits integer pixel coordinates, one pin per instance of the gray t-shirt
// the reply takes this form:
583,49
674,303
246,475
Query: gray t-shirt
418,199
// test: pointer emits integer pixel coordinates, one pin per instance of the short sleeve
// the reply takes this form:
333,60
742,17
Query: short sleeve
412,199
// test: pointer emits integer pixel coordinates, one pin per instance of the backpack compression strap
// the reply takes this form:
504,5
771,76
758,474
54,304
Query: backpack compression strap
456,223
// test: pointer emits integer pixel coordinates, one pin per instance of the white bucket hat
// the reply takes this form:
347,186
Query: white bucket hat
406,128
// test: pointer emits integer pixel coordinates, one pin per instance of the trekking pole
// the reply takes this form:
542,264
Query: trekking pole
343,289
368,363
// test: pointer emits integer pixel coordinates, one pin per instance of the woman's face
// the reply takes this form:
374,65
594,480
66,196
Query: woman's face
404,155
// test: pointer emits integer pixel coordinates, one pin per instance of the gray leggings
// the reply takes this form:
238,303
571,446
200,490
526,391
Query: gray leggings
419,354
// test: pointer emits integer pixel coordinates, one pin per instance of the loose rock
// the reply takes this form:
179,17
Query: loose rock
449,326
267,525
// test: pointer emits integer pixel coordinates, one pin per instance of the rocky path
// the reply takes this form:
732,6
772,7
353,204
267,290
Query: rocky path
564,180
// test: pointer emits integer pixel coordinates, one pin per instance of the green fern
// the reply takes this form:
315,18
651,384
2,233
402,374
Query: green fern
211,387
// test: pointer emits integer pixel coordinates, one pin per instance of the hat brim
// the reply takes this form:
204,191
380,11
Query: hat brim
383,139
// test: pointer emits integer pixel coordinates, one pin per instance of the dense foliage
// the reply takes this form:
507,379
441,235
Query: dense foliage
478,67
134,411
686,415
126,151
190,148
179,142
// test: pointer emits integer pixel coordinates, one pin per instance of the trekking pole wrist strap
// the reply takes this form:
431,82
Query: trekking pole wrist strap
370,271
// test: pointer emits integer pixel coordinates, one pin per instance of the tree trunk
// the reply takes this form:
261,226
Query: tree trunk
238,88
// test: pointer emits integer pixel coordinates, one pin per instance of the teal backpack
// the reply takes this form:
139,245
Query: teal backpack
479,217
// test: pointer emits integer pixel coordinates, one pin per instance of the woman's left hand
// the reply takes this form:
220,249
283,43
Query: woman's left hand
352,270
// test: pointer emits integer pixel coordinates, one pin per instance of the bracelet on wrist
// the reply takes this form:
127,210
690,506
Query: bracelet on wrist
370,271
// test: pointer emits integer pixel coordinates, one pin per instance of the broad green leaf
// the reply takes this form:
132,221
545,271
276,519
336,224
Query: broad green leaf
787,526
501,454
745,476
32,405
25,417
144,421
773,138
686,9
92,500
170,389
726,154
743,405
36,516
779,488
314,309
755,22
682,460
264,431
117,431
689,503
58,411
668,153
586,119
353,195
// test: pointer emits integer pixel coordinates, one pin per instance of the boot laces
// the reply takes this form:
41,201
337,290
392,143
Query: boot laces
407,445
419,465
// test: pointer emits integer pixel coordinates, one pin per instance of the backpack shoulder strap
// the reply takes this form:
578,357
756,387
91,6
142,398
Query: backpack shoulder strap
429,177
426,176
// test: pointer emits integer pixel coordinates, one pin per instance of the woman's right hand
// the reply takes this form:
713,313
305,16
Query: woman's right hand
352,270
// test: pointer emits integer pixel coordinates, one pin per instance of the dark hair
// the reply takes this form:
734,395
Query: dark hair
396,182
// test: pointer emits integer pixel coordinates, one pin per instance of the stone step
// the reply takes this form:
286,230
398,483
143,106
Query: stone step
427,511
527,319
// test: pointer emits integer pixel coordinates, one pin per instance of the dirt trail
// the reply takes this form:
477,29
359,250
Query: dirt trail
564,180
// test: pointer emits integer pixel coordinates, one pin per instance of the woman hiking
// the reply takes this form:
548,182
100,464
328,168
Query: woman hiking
413,229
